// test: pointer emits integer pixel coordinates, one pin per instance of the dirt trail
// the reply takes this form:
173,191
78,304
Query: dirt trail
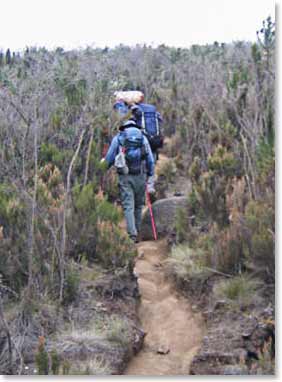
167,319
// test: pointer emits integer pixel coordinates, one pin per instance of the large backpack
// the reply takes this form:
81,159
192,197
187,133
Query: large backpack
148,118
132,143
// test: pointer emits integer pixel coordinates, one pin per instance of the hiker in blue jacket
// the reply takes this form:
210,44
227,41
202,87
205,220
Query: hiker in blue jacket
148,119
131,154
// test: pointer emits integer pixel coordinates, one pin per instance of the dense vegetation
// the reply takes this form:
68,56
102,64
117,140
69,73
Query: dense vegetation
217,102
229,157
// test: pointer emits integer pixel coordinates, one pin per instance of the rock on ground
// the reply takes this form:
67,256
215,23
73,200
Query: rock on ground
165,212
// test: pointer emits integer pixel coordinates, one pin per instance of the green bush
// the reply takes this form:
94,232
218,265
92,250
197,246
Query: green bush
240,291
210,194
265,365
13,231
95,223
260,223
195,169
168,171
55,362
265,162
72,281
114,248
182,225
97,365
118,330
41,358
12,209
210,186
50,153
222,162
184,262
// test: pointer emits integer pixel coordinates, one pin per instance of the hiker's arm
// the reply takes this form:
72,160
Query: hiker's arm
150,164
112,152
160,118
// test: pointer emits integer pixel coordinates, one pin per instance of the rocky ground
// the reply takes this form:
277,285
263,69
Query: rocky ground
237,341
173,332
96,334
107,324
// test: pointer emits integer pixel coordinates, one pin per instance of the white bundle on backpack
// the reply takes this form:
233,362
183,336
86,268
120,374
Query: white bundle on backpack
130,97
120,163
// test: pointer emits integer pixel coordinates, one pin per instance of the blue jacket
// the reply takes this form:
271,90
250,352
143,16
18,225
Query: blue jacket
114,150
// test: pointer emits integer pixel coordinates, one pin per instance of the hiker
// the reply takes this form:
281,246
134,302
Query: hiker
150,120
145,115
131,154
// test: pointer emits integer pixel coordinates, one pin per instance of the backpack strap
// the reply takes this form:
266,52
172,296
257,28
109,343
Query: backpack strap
121,148
143,125
157,125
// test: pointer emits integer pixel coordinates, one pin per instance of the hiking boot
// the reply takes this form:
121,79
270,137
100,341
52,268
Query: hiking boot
134,239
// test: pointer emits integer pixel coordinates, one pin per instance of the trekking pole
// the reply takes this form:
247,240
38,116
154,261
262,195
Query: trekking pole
151,214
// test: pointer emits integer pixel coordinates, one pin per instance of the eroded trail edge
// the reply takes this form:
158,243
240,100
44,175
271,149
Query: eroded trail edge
173,331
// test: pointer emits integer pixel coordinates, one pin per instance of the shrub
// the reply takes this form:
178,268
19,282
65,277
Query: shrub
195,169
210,185
118,330
72,281
240,291
210,194
222,162
227,248
95,224
50,153
114,249
260,221
265,158
14,230
94,332
172,145
97,366
265,364
167,170
182,225
55,362
41,358
184,262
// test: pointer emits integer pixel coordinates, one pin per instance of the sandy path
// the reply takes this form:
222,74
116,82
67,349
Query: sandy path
167,319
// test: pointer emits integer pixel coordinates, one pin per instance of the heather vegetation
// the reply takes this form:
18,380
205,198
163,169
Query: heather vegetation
58,210
228,154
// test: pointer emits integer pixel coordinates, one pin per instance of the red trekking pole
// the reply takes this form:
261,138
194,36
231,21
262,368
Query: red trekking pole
151,214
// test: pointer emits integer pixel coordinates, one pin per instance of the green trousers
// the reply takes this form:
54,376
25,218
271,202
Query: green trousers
132,192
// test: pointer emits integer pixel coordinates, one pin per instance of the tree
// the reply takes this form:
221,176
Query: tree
8,58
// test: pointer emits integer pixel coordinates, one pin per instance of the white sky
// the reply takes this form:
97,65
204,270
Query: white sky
78,23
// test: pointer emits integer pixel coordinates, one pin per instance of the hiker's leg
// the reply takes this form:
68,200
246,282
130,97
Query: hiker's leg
155,156
127,200
139,188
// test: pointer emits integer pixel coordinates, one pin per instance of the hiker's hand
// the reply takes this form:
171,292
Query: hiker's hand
150,185
151,190
103,165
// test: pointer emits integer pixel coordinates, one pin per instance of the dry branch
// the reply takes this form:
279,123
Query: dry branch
88,156
66,205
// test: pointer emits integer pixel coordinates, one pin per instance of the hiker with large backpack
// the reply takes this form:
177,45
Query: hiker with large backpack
131,154
150,120
145,115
